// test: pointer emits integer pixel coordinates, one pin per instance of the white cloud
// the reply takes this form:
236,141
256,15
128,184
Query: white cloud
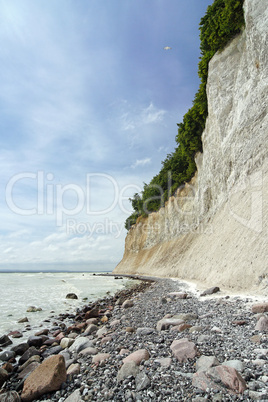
141,162
151,115
136,117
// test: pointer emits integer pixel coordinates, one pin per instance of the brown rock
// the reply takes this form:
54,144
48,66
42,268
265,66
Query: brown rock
260,308
3,376
47,377
81,325
130,329
239,322
183,349
181,327
93,313
44,331
8,367
262,324
104,319
59,337
137,357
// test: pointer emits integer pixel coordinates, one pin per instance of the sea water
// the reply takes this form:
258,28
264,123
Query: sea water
19,291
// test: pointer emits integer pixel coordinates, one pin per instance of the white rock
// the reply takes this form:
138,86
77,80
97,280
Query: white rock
80,343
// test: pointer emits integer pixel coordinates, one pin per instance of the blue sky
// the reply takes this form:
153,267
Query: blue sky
89,103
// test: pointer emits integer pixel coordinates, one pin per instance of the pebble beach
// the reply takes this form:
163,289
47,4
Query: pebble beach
155,341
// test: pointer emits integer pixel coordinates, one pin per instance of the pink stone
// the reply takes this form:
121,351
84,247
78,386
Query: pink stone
260,308
262,324
124,352
88,351
100,357
229,377
165,323
178,295
137,357
183,349
181,327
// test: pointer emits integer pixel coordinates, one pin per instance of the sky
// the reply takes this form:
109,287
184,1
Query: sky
89,105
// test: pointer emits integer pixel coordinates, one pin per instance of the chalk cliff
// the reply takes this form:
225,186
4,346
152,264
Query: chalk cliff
215,229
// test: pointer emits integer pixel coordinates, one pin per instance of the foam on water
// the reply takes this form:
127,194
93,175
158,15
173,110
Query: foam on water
47,290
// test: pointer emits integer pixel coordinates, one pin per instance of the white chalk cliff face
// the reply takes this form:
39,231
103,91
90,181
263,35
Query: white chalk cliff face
215,229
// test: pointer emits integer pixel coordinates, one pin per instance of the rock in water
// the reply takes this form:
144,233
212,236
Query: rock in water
5,341
71,296
48,377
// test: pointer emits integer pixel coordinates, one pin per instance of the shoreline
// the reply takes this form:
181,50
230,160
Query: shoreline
116,328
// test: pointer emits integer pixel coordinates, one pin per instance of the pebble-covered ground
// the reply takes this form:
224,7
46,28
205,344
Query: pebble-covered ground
219,327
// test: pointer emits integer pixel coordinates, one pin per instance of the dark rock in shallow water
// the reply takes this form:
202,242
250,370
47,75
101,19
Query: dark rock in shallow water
7,355
32,351
5,341
71,296
210,291
33,309
36,341
22,320
15,334
52,351
20,349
